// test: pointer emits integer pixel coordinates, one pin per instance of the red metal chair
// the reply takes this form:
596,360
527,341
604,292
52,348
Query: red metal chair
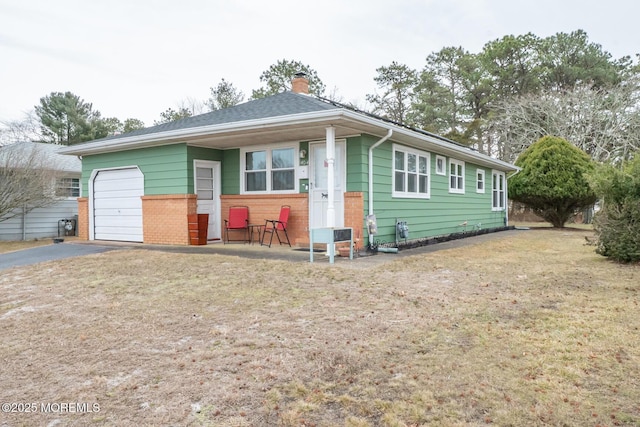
272,226
238,221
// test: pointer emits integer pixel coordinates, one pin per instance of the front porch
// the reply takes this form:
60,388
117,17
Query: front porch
263,207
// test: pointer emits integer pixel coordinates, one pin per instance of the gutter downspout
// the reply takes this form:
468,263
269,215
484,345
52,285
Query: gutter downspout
373,147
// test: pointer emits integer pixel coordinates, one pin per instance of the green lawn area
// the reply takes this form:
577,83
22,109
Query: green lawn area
529,329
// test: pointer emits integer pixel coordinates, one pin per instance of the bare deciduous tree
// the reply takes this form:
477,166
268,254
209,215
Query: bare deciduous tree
27,129
27,180
192,105
604,123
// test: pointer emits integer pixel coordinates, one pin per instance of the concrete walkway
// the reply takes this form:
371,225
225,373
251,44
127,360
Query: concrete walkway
285,253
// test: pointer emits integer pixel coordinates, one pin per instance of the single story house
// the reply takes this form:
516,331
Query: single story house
24,223
332,164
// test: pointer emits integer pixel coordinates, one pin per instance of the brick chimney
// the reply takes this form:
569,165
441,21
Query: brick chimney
300,83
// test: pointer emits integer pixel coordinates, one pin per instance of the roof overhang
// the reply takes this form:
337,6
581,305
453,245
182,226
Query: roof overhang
297,127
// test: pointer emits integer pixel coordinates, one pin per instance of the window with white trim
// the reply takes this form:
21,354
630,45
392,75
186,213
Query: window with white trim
68,187
410,173
270,170
441,165
456,176
498,191
479,180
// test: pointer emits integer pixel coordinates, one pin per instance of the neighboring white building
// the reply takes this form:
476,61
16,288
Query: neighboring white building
46,222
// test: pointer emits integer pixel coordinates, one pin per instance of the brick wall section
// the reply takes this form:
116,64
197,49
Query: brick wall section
354,215
83,218
164,218
262,207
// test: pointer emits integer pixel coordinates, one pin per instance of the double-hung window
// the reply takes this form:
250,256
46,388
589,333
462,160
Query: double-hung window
68,187
480,181
269,170
255,175
283,173
441,165
456,176
410,173
498,187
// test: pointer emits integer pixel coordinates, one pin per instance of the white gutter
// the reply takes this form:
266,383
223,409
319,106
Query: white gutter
139,141
515,173
374,146
450,149
333,116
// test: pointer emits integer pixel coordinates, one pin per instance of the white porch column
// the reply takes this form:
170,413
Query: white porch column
331,150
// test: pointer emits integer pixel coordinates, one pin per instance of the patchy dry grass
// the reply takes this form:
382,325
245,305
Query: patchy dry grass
537,225
531,330
10,246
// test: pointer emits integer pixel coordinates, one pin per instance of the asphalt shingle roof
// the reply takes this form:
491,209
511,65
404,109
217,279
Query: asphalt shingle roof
281,104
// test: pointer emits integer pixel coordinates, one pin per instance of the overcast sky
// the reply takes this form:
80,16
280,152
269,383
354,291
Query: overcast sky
136,58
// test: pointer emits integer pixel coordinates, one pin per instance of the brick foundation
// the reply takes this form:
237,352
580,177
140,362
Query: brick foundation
354,215
164,218
83,218
165,221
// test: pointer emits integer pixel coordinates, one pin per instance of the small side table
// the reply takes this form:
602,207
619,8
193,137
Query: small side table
253,228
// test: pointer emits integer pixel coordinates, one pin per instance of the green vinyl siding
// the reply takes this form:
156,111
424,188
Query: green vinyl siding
163,167
358,163
167,169
441,214
231,171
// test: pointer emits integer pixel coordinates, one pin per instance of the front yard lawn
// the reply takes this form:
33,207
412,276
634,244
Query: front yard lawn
534,329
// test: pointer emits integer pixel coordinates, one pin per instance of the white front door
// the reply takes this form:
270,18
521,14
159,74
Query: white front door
207,187
318,191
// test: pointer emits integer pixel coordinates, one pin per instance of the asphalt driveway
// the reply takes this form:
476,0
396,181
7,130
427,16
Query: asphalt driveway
49,253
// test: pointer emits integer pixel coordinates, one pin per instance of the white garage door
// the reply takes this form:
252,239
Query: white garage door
117,206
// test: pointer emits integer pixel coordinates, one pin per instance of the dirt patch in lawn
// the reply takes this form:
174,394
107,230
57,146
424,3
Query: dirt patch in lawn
535,329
